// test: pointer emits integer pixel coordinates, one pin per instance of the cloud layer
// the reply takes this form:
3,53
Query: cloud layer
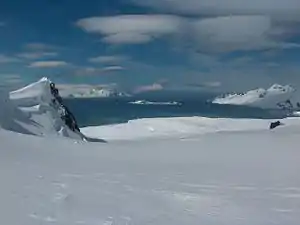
36,55
40,47
209,35
225,34
131,29
95,71
108,59
48,64
224,7
148,88
8,59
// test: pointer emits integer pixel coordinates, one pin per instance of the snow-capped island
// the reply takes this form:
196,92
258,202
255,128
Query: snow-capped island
275,97
90,91
97,93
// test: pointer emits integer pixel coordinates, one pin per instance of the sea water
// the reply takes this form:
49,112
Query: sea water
103,111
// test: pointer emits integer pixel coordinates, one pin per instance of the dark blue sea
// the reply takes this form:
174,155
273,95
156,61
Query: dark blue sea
103,111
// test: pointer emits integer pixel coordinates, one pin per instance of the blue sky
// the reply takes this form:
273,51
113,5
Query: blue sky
151,44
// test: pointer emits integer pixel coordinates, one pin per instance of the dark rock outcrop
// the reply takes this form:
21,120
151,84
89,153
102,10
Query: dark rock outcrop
273,125
65,114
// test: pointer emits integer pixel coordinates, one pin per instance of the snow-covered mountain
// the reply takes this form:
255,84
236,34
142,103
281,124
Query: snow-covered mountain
30,110
275,97
95,92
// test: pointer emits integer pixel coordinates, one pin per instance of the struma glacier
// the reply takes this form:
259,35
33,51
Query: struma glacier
151,171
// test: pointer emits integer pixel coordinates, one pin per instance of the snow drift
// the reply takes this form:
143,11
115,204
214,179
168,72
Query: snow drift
29,111
275,97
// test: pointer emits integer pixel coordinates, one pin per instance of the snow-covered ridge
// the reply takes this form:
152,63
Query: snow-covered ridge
144,102
275,97
29,111
179,127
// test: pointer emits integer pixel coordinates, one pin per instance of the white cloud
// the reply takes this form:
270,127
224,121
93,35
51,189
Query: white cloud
48,64
94,71
86,71
10,82
212,84
230,25
225,7
131,29
207,35
10,78
39,47
91,70
232,33
36,55
37,50
8,59
127,38
148,88
209,85
108,59
112,68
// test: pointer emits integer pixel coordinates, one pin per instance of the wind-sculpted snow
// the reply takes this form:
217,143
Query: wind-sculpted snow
237,178
29,111
275,97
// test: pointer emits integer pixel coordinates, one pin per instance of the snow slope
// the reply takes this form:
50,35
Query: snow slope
222,179
28,111
263,98
180,127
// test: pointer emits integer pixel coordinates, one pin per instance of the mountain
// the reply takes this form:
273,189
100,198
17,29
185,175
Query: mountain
96,92
275,97
31,110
